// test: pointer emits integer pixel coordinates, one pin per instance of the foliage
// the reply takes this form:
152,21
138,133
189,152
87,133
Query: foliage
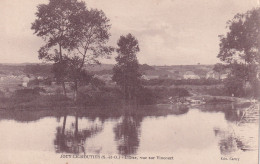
33,82
145,96
25,95
242,40
161,94
113,95
216,101
240,48
91,35
97,82
96,97
26,92
146,67
219,68
170,92
46,81
234,86
37,69
212,90
126,71
240,76
74,36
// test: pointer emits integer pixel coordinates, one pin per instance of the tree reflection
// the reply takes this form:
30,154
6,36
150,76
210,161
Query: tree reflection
72,140
127,133
231,112
238,136
234,115
229,142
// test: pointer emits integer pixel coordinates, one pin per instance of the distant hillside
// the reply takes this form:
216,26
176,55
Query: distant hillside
7,69
101,67
162,71
200,70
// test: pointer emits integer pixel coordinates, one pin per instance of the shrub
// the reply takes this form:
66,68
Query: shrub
145,96
46,81
101,96
27,92
33,82
25,95
234,85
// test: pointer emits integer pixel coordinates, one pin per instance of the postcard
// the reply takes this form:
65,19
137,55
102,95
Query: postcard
129,81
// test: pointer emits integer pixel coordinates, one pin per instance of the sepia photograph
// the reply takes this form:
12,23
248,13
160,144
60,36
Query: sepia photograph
129,81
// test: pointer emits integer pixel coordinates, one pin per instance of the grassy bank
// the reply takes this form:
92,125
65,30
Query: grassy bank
104,96
50,96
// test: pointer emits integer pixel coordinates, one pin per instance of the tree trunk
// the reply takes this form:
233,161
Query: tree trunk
76,125
75,91
62,82
64,88
129,93
124,92
64,124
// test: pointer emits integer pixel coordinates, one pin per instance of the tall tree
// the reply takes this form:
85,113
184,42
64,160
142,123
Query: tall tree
126,71
241,45
219,68
91,33
53,25
74,36
242,41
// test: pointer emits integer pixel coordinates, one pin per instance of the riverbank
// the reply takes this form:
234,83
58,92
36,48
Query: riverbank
88,97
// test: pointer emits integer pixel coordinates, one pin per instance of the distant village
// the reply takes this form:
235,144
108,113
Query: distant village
176,75
15,77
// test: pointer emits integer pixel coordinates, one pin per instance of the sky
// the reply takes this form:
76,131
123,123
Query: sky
169,32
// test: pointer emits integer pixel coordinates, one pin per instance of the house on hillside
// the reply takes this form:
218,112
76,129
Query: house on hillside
32,78
175,76
174,71
149,77
105,77
156,74
25,81
213,75
2,77
152,77
144,77
40,77
190,75
224,76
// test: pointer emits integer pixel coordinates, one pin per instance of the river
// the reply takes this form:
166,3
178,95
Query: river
199,134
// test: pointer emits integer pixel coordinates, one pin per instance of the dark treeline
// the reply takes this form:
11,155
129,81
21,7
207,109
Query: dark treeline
38,69
39,98
170,82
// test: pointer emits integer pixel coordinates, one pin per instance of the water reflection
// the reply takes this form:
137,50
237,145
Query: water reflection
224,129
228,143
241,134
127,133
233,113
72,139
